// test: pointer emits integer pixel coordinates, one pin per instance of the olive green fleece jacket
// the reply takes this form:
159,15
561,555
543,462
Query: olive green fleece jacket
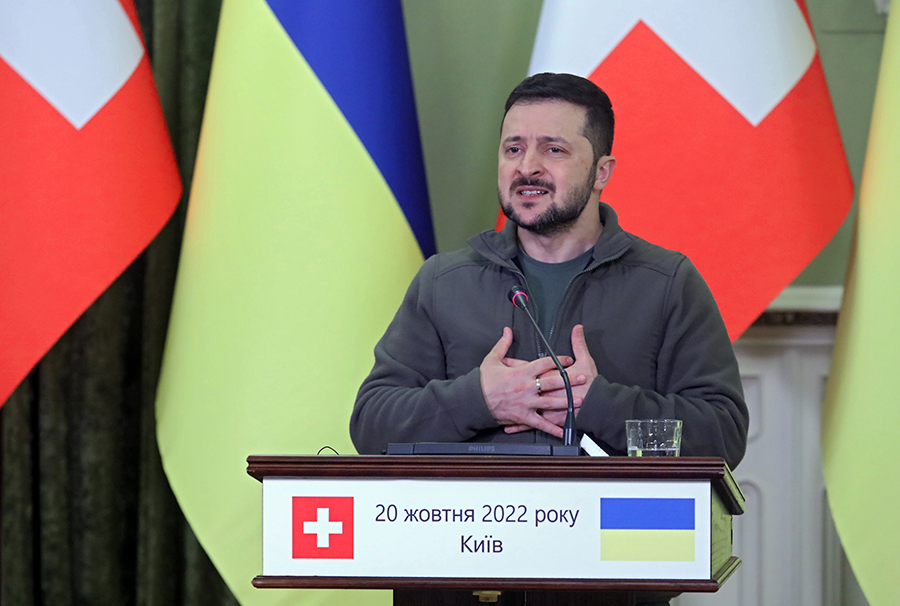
650,323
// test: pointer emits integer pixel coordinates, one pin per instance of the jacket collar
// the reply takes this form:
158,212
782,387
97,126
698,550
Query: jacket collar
501,247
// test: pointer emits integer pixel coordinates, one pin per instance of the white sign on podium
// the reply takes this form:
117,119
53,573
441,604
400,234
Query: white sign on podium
361,527
612,524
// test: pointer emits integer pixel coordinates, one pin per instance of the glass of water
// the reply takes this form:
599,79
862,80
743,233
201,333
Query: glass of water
653,437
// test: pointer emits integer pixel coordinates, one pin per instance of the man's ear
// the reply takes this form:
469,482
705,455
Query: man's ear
605,167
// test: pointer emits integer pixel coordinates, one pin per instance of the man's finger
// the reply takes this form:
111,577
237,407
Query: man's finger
579,345
554,402
514,362
566,361
552,380
541,365
542,424
499,350
558,417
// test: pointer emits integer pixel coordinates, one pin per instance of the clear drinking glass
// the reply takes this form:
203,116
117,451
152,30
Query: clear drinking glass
653,437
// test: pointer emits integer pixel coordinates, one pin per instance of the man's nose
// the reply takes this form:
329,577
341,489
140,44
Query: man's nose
531,164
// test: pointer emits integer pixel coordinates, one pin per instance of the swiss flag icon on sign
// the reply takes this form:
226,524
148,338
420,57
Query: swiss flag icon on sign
323,527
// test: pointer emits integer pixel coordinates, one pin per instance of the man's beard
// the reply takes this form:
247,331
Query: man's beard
556,219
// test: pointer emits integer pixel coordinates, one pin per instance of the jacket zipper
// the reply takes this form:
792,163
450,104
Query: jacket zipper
589,268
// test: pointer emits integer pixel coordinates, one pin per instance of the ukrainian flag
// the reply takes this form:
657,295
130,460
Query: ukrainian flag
308,217
647,530
860,415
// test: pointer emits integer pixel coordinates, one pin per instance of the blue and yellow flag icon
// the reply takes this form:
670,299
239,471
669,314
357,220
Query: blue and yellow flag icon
647,530
308,218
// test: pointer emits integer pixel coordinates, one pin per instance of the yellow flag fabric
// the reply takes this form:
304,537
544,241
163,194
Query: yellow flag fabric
861,420
296,256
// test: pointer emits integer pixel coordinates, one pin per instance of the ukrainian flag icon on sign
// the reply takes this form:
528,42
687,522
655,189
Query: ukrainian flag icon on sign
647,530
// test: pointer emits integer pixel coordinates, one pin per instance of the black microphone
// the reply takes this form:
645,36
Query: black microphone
519,298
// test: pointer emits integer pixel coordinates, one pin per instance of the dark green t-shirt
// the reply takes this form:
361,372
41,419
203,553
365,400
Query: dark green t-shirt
547,283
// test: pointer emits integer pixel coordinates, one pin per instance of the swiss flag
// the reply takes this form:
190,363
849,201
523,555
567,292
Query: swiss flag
727,145
323,527
87,173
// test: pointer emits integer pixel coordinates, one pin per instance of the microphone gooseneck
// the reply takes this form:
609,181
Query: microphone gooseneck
519,298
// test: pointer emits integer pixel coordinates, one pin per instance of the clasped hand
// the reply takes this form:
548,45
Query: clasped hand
510,388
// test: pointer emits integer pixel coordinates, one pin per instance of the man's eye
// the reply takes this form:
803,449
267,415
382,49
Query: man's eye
512,150
556,150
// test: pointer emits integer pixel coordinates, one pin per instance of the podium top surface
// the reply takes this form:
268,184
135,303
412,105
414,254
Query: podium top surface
712,469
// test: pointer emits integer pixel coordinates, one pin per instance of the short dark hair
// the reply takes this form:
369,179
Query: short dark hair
600,123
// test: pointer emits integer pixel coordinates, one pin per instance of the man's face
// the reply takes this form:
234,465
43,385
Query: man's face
546,174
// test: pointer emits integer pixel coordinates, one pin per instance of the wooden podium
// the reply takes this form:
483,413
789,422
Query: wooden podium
549,530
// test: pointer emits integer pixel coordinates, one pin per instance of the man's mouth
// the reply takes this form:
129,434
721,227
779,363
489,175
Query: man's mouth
531,188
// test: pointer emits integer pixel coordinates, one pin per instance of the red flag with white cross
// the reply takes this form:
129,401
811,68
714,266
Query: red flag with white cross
727,145
323,528
87,173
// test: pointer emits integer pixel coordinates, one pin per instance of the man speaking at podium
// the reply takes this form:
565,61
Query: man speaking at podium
639,328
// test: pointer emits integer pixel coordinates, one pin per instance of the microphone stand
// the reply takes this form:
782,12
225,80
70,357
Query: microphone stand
519,298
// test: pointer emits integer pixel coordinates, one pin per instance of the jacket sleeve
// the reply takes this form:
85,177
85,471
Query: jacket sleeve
408,397
697,380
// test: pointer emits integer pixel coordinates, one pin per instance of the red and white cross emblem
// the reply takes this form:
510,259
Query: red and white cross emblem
323,527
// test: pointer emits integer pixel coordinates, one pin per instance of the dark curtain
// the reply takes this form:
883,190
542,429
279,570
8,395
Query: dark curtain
88,517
